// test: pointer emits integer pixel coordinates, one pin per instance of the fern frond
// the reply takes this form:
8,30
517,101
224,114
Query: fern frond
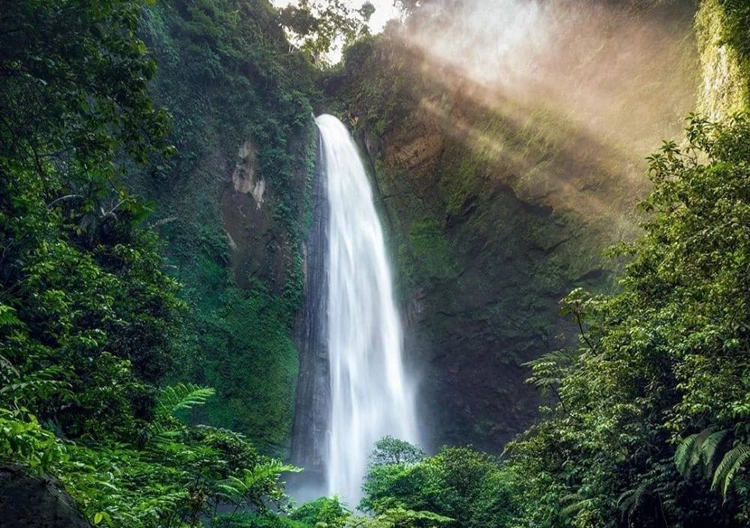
699,449
684,454
728,468
700,438
7,366
571,509
709,448
237,489
550,369
576,503
8,317
632,499
627,502
180,397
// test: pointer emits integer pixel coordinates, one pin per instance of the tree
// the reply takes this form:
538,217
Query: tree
392,451
321,26
662,360
459,485
79,269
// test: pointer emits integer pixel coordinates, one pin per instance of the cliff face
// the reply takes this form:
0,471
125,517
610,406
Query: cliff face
723,31
233,205
498,207
498,204
313,407
485,257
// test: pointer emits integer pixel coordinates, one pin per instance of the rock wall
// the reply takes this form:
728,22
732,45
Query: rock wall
725,88
485,257
312,411
498,207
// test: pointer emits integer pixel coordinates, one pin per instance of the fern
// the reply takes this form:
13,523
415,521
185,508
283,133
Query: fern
709,449
699,450
684,454
180,397
702,449
7,368
728,468
8,318
549,370
249,487
576,503
631,500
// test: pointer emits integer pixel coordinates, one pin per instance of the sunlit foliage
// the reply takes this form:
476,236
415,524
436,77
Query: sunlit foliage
661,375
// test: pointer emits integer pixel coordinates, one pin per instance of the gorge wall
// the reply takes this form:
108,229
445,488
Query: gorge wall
499,204
496,205
233,205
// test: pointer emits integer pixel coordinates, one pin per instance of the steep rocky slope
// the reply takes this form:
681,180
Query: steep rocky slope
233,205
499,205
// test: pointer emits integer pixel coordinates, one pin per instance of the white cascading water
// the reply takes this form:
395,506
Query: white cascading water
371,395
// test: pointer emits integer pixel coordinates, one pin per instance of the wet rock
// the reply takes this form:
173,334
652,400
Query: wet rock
27,501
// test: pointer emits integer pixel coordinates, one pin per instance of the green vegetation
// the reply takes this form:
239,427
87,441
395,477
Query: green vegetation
464,487
650,425
106,359
227,77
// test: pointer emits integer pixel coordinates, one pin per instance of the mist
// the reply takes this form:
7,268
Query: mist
625,71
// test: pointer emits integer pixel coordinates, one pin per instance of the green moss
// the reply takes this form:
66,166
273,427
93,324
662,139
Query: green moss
255,368
430,250
723,37
225,76
459,181
238,341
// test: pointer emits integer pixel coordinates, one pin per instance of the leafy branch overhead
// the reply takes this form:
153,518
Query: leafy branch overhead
318,27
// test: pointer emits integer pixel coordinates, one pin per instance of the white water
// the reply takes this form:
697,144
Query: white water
371,395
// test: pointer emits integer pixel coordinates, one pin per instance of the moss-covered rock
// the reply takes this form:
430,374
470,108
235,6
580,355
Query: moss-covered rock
496,209
723,30
232,205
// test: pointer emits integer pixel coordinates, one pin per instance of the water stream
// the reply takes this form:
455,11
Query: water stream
370,393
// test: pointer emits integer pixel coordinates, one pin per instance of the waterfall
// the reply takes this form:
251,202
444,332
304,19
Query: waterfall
370,394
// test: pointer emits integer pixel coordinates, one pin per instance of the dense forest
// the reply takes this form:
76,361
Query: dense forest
578,309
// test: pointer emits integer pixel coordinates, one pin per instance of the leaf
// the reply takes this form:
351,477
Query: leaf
182,396
728,468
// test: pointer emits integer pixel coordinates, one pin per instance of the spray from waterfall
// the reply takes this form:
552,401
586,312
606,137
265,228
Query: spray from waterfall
371,395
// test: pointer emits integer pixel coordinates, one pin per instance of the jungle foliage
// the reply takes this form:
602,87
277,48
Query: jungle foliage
650,420
651,425
89,318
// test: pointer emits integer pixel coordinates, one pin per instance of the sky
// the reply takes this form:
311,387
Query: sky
384,11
